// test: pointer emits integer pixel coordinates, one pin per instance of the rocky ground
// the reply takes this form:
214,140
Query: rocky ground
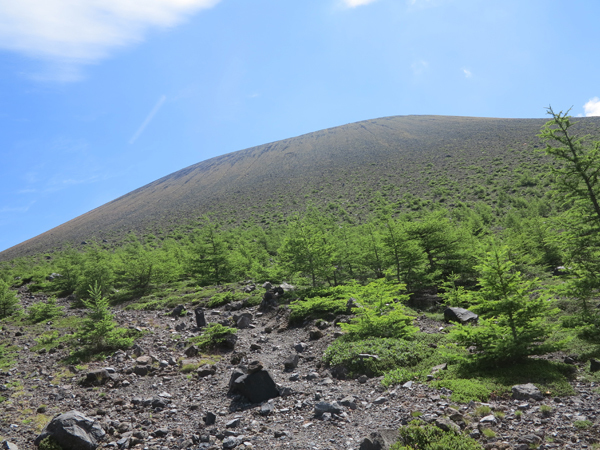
147,402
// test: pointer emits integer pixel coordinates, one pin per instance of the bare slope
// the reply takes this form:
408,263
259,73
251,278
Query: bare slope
342,164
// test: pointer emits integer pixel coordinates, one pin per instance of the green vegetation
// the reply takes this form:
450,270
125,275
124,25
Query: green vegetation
421,436
99,331
214,335
489,239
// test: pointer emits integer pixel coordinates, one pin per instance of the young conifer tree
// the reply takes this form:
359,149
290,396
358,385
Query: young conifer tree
513,311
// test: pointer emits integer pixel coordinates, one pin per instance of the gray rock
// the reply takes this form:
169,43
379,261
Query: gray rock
73,431
324,407
380,440
489,420
206,370
460,315
348,402
266,409
231,442
233,423
446,424
526,391
6,445
242,321
291,362
301,347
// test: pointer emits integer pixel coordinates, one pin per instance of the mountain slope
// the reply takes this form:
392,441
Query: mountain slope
343,164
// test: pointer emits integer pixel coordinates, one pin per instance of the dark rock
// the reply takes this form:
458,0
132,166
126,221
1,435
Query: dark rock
291,362
315,334
98,378
191,351
352,304
380,440
243,320
301,347
460,315
229,341
178,311
526,391
324,407
161,432
206,370
159,402
141,371
209,419
234,306
73,431
594,365
446,424
233,423
180,326
349,402
256,387
231,442
200,319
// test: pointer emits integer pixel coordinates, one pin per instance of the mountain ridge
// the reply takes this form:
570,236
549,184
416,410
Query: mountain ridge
369,155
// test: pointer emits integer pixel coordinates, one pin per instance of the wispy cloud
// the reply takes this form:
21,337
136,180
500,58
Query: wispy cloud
355,3
592,107
68,33
467,73
16,209
418,67
149,118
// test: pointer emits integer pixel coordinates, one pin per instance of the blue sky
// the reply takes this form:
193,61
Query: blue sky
100,97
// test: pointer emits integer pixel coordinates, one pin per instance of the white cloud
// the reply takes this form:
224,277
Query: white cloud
467,73
592,107
68,33
355,3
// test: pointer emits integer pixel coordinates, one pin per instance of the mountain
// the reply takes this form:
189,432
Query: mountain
341,166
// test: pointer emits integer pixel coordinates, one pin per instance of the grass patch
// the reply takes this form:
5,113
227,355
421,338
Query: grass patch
421,436
214,335
482,384
398,359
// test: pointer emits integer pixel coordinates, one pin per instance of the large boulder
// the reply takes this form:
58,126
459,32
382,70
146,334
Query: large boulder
257,387
73,431
460,315
526,391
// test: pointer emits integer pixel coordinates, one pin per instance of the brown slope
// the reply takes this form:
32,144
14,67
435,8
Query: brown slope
324,165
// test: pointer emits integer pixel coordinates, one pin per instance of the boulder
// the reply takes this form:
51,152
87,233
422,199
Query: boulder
257,387
73,431
460,315
200,319
98,377
526,391
178,311
291,362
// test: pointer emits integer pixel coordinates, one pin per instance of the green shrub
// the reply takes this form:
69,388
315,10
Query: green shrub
223,298
419,436
44,311
99,331
214,335
9,303
465,390
49,444
316,307
391,353
582,424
